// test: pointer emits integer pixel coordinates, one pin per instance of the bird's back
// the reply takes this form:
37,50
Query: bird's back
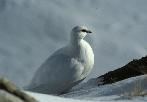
59,72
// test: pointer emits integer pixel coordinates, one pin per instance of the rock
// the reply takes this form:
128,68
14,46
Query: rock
132,69
8,97
10,93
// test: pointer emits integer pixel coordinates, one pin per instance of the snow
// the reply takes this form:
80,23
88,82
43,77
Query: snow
125,87
49,98
122,91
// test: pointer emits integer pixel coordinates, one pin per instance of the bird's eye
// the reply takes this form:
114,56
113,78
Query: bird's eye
84,30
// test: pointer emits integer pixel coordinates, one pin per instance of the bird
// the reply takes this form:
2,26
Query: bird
66,67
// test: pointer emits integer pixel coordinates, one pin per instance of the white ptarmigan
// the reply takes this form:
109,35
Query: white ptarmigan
66,67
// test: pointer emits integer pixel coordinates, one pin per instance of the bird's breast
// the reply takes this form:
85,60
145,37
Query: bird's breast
83,53
86,54
86,57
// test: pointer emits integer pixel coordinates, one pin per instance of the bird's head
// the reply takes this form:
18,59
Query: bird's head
79,32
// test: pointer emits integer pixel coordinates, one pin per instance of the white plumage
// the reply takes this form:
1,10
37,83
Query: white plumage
66,67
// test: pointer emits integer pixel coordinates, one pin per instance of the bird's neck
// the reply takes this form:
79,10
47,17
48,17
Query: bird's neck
75,42
75,46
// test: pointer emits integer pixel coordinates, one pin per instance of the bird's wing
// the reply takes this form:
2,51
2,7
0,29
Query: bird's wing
58,69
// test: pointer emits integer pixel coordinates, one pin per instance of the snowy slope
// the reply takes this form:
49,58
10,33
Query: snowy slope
48,98
126,90
125,87
31,30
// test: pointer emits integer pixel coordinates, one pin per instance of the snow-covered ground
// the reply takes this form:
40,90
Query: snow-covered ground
129,90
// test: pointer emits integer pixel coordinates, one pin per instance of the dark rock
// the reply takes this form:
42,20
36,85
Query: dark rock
134,68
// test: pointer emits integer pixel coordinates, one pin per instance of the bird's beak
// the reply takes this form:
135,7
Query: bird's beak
89,31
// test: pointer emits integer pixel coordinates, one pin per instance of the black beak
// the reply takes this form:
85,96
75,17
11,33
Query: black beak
88,31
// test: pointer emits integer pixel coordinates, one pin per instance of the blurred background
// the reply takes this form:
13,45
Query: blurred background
31,30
